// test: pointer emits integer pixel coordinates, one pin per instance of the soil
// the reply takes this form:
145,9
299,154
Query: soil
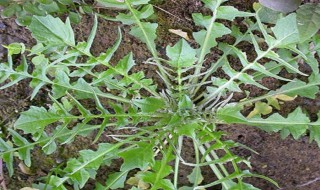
294,164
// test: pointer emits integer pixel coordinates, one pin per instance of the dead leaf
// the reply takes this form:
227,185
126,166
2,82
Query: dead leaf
134,181
272,101
143,185
260,108
180,33
24,168
256,6
137,182
284,97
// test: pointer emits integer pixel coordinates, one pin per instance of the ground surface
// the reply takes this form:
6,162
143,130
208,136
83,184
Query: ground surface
295,165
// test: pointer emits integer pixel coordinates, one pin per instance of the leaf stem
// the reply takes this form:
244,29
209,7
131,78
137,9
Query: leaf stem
197,168
177,162
148,42
206,42
215,66
214,168
208,99
87,162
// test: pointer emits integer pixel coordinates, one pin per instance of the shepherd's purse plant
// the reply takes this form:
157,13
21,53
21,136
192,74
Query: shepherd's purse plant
150,124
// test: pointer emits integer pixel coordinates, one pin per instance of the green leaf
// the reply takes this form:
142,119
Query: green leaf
50,148
230,13
308,19
24,153
187,129
243,77
129,19
292,89
7,156
75,17
267,15
162,169
105,57
150,104
156,178
15,48
311,57
185,103
315,132
32,9
4,2
36,119
244,186
146,33
52,31
57,182
296,123
121,4
84,90
81,176
222,84
192,176
93,159
61,85
116,180
24,19
83,168
164,184
181,54
45,1
66,2
212,5
10,10
300,88
201,20
50,8
286,31
204,37
231,114
40,60
140,157
125,64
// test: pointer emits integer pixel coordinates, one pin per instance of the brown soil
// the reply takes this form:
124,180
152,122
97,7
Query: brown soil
293,164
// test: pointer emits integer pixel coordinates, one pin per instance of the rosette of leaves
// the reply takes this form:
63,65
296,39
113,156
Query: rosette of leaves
194,102
25,9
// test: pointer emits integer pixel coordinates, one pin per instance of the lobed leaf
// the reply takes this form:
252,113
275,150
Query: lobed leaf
214,31
286,31
36,119
145,158
116,180
149,105
52,31
230,13
181,54
296,123
300,88
146,32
